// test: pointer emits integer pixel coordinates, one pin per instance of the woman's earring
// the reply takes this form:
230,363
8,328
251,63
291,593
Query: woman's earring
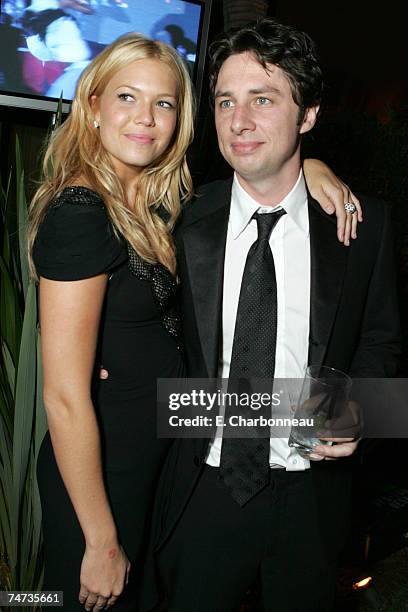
96,123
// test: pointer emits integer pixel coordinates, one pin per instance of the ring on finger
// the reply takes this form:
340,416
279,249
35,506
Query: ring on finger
350,207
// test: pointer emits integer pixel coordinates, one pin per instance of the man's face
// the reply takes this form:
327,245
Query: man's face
257,119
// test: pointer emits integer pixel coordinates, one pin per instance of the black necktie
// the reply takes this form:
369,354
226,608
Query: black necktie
244,464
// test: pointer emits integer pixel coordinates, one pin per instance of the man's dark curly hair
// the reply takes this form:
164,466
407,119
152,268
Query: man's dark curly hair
273,43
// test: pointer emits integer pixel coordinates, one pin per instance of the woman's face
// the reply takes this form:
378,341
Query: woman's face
137,114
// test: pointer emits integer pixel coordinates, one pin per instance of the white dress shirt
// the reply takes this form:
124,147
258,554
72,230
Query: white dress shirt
290,247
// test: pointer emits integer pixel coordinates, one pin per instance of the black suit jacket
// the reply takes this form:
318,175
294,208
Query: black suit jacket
354,324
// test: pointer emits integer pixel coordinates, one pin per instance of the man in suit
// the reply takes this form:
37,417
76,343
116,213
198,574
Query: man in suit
234,514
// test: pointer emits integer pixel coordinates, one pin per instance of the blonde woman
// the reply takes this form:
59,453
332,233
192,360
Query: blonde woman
102,220
101,246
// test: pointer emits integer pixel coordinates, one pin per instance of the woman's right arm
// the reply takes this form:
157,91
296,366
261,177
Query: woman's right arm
69,316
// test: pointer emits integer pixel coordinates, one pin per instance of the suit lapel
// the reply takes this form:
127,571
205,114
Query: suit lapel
204,244
328,259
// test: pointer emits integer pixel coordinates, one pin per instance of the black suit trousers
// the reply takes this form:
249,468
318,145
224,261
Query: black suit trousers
277,541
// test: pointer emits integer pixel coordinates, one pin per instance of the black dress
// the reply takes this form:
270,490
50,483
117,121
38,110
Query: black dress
137,344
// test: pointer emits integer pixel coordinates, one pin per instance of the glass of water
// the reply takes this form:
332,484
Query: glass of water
322,410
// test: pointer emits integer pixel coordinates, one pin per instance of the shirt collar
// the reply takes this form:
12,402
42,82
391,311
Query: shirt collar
243,206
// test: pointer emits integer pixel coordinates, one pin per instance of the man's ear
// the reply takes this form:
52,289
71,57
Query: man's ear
309,119
94,101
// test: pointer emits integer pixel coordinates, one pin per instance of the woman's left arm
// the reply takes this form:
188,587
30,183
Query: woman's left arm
332,194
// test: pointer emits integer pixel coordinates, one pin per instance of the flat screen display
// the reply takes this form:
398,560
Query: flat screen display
46,44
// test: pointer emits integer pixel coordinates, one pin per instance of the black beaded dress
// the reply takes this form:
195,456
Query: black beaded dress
137,343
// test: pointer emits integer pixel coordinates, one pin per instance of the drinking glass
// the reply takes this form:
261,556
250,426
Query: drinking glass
323,410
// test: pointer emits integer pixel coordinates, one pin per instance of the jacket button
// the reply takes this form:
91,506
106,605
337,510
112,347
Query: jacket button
197,461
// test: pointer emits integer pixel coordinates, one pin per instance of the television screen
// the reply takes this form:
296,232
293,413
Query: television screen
45,44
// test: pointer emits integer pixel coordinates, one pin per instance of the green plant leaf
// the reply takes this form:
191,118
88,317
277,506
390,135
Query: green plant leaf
40,429
22,416
6,411
24,401
36,552
24,579
4,198
9,321
41,425
31,564
9,366
6,402
6,489
6,246
3,204
22,217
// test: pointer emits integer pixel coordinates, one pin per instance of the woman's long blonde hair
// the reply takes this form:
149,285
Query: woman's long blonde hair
75,152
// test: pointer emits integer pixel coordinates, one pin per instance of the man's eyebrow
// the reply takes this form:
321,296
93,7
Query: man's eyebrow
223,94
256,91
266,90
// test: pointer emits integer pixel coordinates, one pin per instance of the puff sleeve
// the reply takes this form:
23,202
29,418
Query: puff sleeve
76,239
